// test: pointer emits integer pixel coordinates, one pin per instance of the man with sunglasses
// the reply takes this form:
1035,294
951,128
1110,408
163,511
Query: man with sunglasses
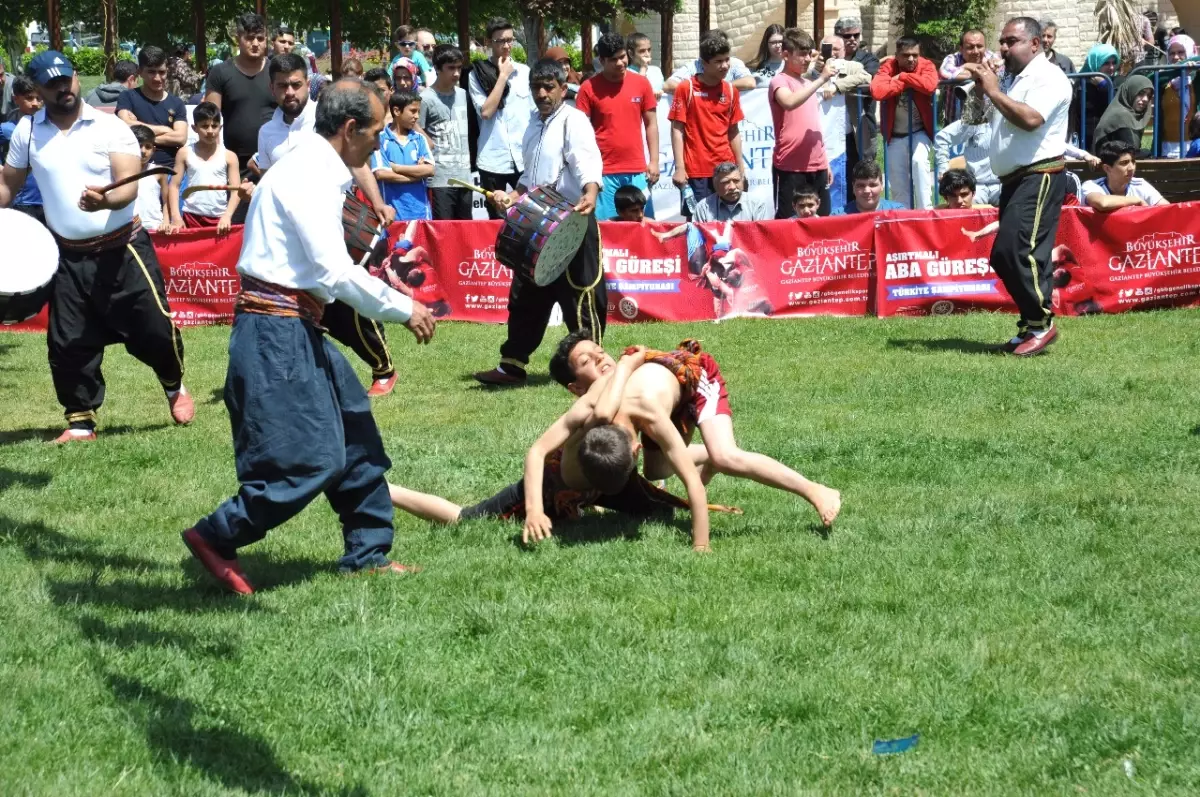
860,108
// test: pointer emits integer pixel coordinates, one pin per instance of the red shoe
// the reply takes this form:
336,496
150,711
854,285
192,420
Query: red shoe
1009,346
499,378
391,568
1036,343
383,386
70,436
227,572
183,409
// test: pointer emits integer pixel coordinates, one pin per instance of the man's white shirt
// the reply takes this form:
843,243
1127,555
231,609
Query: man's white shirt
294,238
277,138
561,152
1042,86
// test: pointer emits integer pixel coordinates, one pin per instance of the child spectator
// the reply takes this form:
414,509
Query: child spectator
641,61
806,201
630,203
1118,188
26,102
378,77
403,161
620,104
704,121
205,163
151,105
796,111
352,67
444,117
152,194
868,191
957,189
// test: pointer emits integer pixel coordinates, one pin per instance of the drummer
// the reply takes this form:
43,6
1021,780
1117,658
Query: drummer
560,151
291,124
108,288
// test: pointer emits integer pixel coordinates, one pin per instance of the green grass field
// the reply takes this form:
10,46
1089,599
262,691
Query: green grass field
1015,576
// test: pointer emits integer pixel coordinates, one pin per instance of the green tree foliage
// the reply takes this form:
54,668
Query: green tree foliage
941,22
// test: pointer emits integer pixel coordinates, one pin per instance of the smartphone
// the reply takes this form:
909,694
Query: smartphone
827,51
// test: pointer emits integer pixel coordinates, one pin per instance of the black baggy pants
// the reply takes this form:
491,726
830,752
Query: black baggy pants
1030,207
113,295
363,335
530,305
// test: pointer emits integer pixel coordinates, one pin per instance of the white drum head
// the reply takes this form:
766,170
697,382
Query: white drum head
30,256
561,247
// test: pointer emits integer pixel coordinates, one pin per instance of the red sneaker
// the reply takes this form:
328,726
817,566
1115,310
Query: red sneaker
1036,343
183,409
74,436
381,387
227,572
391,568
1009,346
499,378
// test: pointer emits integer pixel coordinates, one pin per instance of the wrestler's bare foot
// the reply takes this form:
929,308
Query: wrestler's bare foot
828,503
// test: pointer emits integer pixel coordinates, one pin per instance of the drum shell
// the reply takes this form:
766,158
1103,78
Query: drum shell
366,239
528,226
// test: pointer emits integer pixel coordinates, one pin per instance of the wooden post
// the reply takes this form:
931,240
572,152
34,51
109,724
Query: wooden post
199,37
791,14
403,13
585,43
666,38
819,20
109,10
54,24
260,8
705,17
335,38
464,31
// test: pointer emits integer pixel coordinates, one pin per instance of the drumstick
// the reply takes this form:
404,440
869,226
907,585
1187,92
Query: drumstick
192,189
133,178
464,184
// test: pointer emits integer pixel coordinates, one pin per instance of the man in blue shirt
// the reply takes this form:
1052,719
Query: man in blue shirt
868,191
151,105
403,161
26,102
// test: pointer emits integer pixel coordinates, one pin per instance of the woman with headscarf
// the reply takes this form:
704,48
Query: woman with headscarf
1179,101
1092,95
1126,119
574,80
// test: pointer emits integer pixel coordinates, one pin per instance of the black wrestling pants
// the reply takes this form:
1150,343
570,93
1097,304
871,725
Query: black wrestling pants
114,295
530,305
1030,207
363,335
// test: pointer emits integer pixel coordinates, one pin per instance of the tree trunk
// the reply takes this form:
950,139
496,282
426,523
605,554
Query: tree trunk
109,10
54,24
199,37
335,38
666,38
585,44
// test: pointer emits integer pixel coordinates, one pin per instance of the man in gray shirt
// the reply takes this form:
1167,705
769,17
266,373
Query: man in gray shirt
444,118
730,203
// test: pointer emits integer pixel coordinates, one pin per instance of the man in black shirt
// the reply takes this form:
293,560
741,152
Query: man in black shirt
151,105
860,108
241,88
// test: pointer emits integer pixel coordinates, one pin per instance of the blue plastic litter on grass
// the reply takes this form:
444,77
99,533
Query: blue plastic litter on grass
882,747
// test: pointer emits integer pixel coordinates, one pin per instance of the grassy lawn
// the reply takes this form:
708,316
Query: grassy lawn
1015,576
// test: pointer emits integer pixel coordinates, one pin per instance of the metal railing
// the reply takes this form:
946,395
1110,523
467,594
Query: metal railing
1183,69
1077,80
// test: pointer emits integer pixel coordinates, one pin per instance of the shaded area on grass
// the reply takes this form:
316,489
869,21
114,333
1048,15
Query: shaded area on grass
47,433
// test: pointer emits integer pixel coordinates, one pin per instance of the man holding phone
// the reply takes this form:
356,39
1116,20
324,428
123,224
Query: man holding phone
795,109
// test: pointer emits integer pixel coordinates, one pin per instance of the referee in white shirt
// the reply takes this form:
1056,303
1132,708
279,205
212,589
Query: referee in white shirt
302,423
292,121
559,150
1029,138
108,288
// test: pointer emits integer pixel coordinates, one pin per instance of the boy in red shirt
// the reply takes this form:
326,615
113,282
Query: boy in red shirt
618,102
704,121
796,111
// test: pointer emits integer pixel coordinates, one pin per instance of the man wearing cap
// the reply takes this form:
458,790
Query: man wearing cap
109,287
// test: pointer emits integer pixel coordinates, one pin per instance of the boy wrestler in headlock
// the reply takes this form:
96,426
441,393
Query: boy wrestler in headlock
576,464
682,388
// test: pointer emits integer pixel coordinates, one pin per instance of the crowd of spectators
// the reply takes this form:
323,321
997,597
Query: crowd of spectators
828,101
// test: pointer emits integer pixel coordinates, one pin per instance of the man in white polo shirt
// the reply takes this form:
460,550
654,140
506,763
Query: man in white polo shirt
292,122
1029,138
109,288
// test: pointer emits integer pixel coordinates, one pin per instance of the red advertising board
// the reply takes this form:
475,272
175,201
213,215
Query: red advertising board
200,273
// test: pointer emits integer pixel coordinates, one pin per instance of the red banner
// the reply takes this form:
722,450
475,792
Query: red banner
896,263
1133,259
928,264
